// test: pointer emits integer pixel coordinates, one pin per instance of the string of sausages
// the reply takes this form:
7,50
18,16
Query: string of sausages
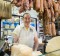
48,9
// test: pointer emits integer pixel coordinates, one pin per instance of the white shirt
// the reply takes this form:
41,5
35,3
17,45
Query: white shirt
25,36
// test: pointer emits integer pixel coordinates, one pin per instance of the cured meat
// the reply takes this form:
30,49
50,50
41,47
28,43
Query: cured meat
45,4
53,19
41,6
21,9
52,11
49,13
50,3
56,15
15,1
56,6
53,30
31,4
37,5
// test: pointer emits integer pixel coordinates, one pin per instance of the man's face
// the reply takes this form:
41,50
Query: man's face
27,19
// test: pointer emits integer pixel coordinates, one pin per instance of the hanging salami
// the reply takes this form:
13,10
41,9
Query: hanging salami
30,4
37,5
56,6
48,13
45,4
41,6
50,3
53,30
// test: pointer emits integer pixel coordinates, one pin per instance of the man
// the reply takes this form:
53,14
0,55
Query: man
25,33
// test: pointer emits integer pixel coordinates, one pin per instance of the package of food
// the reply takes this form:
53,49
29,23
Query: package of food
6,26
12,26
5,32
9,32
21,50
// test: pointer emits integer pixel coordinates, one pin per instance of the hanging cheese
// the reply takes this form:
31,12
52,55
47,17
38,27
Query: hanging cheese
9,10
1,8
5,9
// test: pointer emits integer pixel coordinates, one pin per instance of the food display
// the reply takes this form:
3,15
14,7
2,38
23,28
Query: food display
23,50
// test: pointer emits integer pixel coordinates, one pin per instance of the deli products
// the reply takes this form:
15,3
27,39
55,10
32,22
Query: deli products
21,50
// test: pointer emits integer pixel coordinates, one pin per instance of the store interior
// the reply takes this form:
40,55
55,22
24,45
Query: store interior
45,17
